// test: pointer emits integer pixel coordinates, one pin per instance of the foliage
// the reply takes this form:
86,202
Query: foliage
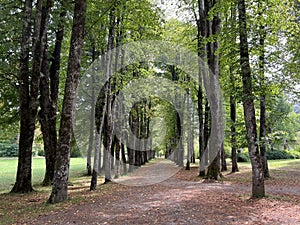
295,154
283,122
243,157
281,154
8,149
10,33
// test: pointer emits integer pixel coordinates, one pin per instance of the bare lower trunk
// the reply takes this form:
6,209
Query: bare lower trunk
233,135
97,159
60,182
201,51
92,121
262,137
188,106
223,159
263,118
213,171
258,188
29,88
117,166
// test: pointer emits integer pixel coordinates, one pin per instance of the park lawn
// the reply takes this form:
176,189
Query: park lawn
276,164
8,170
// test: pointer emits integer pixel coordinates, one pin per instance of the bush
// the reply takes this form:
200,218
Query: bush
295,154
279,154
8,149
243,157
75,152
40,152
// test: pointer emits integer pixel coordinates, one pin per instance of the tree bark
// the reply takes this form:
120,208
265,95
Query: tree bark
234,167
262,136
258,187
263,119
223,159
213,63
92,120
49,99
61,174
201,34
23,179
189,150
109,120
29,88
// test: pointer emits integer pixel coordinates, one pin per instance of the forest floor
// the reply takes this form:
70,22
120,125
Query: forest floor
184,198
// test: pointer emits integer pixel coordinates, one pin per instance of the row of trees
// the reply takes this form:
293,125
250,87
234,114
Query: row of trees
243,44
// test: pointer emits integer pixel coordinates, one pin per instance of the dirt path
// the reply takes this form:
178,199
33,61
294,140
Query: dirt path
182,199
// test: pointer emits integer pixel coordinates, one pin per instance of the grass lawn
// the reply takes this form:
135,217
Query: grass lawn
8,170
277,164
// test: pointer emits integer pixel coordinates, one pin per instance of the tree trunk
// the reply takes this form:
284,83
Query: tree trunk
44,118
123,159
263,119
214,28
108,91
48,101
92,120
118,150
213,171
189,150
180,128
262,137
223,159
100,112
23,179
234,167
29,88
130,159
233,135
97,159
201,51
258,187
61,174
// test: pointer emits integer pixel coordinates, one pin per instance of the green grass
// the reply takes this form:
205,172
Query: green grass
8,170
276,164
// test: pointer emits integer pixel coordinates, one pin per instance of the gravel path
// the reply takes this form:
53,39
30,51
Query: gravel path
181,199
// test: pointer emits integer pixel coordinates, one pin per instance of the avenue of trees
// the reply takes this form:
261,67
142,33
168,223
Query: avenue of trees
250,47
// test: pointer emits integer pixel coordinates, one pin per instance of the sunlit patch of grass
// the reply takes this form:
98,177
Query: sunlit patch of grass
291,163
8,170
22,207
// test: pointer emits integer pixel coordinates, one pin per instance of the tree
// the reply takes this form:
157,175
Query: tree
201,51
263,119
60,182
49,90
213,30
258,187
29,87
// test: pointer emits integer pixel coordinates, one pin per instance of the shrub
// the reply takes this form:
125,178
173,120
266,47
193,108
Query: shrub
227,150
75,152
279,154
243,157
8,149
40,152
295,154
